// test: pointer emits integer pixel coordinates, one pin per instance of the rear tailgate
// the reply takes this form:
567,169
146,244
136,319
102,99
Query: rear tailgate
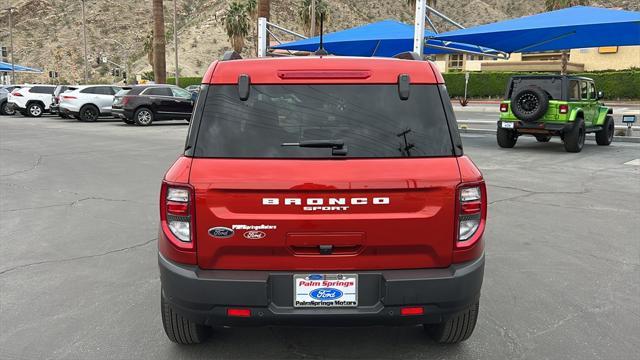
325,214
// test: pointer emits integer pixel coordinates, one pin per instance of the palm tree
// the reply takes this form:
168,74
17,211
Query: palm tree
304,12
252,8
264,8
159,61
551,5
236,23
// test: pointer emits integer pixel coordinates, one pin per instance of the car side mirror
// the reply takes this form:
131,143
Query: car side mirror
600,95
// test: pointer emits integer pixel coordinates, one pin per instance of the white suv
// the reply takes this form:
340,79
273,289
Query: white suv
86,103
32,100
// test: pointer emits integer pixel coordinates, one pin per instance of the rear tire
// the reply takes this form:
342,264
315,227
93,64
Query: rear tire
506,138
604,137
574,139
34,110
143,117
89,113
543,138
181,330
457,328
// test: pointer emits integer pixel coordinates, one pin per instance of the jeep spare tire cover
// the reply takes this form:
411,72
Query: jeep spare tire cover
529,103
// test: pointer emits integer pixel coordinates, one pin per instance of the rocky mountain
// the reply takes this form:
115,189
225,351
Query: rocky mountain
48,33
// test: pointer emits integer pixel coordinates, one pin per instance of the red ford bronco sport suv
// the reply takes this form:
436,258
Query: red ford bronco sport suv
322,191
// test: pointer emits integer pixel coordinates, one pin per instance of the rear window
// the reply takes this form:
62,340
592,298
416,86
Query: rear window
553,86
371,120
42,90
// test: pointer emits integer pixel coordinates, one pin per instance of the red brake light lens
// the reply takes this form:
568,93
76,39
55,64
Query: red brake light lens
504,107
412,311
125,100
322,74
239,312
16,93
563,109
69,97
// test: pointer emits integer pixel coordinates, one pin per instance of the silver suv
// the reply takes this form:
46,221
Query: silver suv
87,103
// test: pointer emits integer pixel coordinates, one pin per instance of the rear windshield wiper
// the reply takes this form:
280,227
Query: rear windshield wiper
337,146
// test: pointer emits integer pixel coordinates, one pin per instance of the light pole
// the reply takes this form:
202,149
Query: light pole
175,39
84,39
13,66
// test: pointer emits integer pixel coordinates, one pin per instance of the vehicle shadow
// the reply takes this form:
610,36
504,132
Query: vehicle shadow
321,343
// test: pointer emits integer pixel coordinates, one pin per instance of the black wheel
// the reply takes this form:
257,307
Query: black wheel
5,110
143,117
457,328
89,113
179,329
574,139
506,138
543,138
604,137
34,110
530,103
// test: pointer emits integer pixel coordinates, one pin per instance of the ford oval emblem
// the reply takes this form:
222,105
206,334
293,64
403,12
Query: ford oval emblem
324,294
315,277
221,232
254,234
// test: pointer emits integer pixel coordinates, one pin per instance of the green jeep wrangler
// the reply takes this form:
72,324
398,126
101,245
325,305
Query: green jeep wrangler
548,105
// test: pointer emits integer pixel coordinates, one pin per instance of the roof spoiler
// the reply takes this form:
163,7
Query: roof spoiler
408,55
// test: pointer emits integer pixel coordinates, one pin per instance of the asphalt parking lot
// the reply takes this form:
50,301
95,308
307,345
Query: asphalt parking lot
79,278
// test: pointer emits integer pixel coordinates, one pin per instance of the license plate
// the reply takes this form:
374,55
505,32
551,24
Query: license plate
507,125
325,290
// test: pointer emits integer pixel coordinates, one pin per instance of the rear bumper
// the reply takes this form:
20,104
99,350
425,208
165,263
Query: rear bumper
544,128
67,111
205,295
121,113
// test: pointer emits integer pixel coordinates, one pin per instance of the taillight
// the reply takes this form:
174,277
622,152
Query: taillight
563,109
176,214
125,100
472,207
69,97
504,107
16,94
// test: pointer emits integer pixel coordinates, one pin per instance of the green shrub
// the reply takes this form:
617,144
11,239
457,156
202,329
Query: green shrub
614,84
186,81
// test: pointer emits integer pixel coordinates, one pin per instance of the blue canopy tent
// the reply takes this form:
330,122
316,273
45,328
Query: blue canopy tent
385,38
571,28
6,67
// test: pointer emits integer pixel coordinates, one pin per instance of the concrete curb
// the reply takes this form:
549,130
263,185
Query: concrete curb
625,139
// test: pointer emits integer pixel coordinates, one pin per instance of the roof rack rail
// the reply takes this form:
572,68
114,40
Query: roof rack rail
408,55
231,55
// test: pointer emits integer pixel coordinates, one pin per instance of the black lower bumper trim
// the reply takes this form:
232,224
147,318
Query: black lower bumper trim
205,295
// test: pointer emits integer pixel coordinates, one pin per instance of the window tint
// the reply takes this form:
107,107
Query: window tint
42,90
371,120
574,90
177,92
552,85
123,92
592,91
584,91
159,91
89,90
